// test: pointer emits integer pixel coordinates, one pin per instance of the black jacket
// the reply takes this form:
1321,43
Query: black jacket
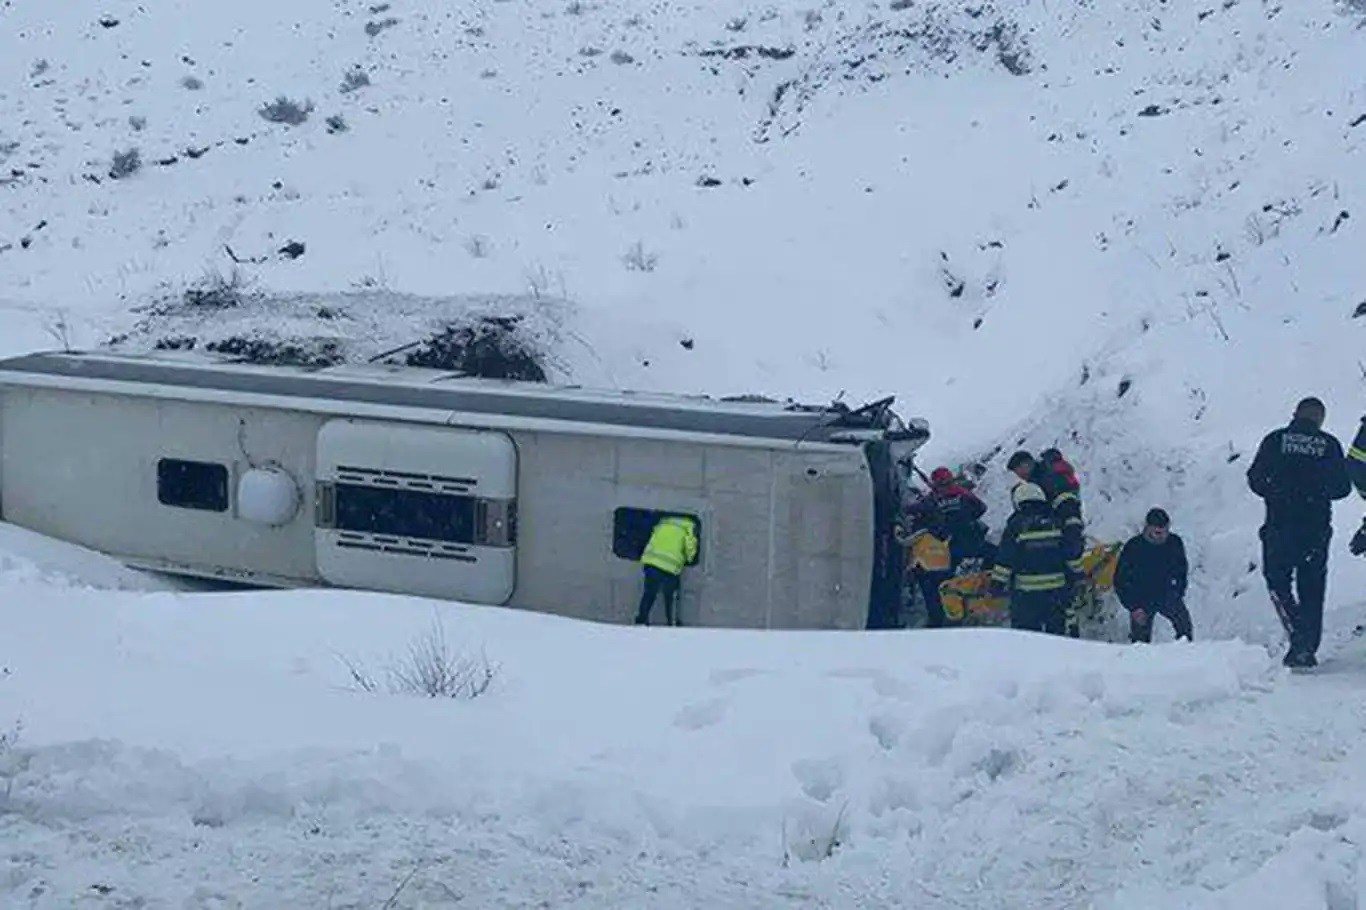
954,514
1299,471
1033,554
1151,575
1064,495
1356,459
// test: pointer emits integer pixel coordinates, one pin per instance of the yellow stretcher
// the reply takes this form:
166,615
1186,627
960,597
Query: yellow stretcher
969,602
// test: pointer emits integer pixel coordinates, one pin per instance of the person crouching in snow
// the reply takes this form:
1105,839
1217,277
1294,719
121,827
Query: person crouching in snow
672,547
1032,564
1151,579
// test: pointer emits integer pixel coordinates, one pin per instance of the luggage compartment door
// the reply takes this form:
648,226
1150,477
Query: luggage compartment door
417,510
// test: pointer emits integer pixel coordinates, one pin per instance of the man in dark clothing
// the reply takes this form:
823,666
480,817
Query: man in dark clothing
1059,482
1151,579
1356,469
1031,564
1299,472
1064,495
1024,466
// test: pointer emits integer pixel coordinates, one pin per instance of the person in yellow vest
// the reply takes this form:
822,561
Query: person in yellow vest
672,547
928,556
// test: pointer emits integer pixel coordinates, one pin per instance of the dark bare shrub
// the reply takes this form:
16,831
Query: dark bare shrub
125,164
639,259
216,291
374,28
287,111
431,668
354,79
494,347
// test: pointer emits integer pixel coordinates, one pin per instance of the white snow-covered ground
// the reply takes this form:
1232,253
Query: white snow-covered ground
1130,229
211,751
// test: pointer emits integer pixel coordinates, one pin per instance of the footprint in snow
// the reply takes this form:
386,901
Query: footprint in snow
884,684
726,677
702,714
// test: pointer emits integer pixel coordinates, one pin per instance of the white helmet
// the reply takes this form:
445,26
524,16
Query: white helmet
1027,492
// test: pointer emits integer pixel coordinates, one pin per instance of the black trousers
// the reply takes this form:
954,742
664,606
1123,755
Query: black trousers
1295,565
1176,613
929,583
1039,611
657,582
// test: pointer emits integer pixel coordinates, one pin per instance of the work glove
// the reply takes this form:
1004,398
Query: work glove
1358,544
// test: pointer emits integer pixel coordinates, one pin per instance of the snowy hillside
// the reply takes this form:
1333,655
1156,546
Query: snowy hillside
1129,229
1132,229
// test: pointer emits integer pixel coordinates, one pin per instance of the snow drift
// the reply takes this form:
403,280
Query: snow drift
208,751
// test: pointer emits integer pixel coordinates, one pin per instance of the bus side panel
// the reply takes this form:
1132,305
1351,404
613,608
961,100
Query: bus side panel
576,490
824,533
84,467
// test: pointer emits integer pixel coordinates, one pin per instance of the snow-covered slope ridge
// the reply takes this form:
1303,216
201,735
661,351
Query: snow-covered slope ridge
1132,228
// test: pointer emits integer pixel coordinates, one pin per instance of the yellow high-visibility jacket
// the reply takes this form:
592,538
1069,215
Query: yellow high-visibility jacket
673,544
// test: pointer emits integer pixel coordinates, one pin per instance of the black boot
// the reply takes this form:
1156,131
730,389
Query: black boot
1300,660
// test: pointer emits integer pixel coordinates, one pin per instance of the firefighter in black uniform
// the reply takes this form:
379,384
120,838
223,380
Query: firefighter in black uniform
1032,564
1063,489
1356,469
1299,472
1058,480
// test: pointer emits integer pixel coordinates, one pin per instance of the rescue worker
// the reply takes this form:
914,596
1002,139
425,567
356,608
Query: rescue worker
929,565
1059,481
1031,564
1299,471
1151,579
1356,469
1064,493
1023,466
672,547
955,514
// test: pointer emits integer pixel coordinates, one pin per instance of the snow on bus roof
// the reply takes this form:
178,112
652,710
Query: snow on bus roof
419,387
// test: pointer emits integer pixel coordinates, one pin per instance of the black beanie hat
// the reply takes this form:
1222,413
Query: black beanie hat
1158,518
1310,404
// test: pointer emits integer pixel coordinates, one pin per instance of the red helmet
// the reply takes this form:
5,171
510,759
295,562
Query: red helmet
941,477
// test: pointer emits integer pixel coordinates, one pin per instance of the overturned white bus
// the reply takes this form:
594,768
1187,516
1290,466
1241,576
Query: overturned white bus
421,482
